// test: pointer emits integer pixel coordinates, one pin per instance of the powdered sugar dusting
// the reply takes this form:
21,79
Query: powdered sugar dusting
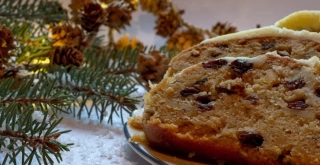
96,143
39,116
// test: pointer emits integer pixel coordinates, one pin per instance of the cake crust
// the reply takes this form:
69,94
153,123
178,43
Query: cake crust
224,149
250,43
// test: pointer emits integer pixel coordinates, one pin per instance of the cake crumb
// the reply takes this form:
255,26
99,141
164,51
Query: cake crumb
195,52
135,122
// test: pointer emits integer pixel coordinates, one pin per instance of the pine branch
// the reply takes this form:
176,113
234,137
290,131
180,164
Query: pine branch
121,72
28,20
29,46
101,89
103,86
112,61
41,94
28,135
40,11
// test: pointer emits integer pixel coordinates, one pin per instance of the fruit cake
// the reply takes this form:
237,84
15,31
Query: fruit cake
262,110
296,44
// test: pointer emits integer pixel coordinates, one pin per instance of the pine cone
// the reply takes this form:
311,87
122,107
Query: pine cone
93,15
65,56
223,28
76,7
152,67
153,6
118,17
184,39
6,42
10,71
67,35
2,69
167,24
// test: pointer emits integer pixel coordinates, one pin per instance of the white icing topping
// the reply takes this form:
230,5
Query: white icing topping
249,59
259,59
268,31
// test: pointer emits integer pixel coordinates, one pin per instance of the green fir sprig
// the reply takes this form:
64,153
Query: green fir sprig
101,90
30,105
41,94
26,137
36,11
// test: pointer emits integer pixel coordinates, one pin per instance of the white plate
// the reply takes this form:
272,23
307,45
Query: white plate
151,155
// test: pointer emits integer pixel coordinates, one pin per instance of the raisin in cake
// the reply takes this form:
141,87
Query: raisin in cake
257,111
296,44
